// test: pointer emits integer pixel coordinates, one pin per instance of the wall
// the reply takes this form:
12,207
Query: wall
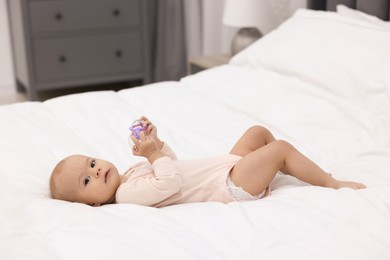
207,35
216,39
6,69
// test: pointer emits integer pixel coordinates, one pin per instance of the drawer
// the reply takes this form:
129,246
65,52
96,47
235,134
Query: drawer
65,15
87,56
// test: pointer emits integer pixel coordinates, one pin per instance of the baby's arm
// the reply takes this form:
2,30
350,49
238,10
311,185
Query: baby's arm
151,129
149,191
147,147
168,151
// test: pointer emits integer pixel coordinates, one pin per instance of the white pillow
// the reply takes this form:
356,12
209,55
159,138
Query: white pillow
348,12
344,56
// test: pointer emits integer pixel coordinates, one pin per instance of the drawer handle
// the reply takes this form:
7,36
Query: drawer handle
116,12
119,54
62,59
59,16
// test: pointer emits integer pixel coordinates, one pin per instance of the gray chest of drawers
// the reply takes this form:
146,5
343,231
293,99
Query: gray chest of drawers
68,43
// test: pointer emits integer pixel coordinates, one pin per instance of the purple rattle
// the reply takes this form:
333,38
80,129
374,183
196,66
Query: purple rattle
136,128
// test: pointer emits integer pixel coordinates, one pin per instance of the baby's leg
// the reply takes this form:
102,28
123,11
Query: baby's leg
254,138
255,171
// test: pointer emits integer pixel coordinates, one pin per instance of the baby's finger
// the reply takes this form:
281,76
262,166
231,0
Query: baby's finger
143,118
142,136
150,128
135,150
146,123
135,140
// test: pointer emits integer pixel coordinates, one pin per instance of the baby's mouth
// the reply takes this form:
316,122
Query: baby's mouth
106,176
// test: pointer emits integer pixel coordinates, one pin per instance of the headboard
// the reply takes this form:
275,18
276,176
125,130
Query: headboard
379,8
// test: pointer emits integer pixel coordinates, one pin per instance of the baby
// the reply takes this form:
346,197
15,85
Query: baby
243,174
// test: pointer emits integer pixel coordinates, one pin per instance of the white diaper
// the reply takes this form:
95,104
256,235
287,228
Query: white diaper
239,194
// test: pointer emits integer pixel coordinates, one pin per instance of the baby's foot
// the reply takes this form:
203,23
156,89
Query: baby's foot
349,184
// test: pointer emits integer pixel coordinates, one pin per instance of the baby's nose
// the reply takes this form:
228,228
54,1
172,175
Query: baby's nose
97,172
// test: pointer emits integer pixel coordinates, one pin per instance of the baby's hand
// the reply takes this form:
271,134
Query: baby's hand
151,129
146,147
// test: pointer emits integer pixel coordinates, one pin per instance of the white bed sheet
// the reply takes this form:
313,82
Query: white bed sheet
297,222
347,133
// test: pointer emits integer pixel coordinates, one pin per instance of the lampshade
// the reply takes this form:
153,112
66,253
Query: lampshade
242,13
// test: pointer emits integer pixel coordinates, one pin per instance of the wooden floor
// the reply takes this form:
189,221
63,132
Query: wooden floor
9,95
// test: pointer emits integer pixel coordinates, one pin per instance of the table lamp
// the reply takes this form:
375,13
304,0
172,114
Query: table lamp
245,14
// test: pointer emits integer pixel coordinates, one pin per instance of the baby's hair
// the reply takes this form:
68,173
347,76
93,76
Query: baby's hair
55,190
53,184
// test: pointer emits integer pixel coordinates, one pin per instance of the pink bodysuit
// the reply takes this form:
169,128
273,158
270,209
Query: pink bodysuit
168,181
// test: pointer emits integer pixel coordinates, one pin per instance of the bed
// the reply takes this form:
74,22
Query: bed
320,81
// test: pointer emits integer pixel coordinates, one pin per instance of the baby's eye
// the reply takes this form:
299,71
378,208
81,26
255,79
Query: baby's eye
86,180
93,163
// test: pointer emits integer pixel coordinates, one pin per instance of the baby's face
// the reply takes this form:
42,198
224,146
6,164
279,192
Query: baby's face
91,181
